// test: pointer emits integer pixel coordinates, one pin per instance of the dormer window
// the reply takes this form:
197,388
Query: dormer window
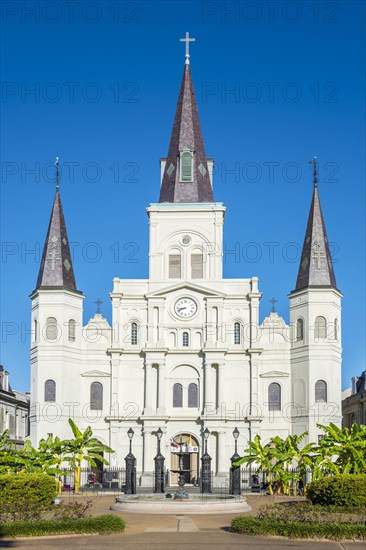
186,165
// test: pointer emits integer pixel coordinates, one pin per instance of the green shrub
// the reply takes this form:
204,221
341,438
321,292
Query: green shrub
24,496
347,490
99,524
305,511
249,525
72,510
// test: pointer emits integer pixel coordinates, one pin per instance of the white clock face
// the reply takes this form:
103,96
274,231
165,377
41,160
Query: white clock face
185,308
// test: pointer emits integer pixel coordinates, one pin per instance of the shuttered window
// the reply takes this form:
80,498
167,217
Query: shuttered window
320,328
274,397
72,325
50,390
197,266
96,396
186,167
51,328
320,391
177,395
185,339
299,330
175,266
237,333
336,329
193,395
134,334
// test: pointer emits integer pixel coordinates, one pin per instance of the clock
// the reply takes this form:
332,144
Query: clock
185,308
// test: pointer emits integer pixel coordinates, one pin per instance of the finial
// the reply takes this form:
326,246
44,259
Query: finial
98,302
57,175
273,302
187,40
315,173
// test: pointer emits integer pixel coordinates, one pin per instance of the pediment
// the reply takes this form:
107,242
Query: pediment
186,286
95,374
274,374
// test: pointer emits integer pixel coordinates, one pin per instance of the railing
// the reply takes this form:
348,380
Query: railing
255,481
96,479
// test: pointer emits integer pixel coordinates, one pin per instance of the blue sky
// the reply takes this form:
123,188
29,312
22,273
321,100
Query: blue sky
97,84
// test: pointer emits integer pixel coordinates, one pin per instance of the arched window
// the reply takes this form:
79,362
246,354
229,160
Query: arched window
320,391
299,330
197,265
72,326
35,336
96,396
237,335
186,166
51,328
134,334
193,396
185,339
175,266
320,328
274,397
336,329
50,390
177,395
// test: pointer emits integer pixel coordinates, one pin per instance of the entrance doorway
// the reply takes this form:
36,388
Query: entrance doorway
188,445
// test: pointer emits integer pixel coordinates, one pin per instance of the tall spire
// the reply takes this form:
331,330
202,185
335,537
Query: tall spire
56,267
316,267
186,177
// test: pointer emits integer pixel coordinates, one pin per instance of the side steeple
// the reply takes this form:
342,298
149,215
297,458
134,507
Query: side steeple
316,266
186,175
56,267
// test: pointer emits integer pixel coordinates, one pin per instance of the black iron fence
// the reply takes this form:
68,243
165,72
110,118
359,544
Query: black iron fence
255,481
109,479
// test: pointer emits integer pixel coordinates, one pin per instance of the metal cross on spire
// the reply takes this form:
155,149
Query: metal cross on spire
187,40
98,302
57,174
315,173
273,302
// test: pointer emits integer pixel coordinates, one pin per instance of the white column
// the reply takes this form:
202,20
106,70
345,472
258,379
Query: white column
161,388
210,398
147,459
220,385
221,453
148,388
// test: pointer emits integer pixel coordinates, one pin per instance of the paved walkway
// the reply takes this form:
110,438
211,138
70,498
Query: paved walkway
163,532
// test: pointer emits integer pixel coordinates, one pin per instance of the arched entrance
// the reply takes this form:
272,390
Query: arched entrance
188,446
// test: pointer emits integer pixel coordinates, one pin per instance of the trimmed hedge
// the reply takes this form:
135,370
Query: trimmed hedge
99,524
249,525
16,490
348,490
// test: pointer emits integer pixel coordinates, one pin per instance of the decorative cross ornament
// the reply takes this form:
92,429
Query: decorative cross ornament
187,40
57,174
273,302
53,259
315,173
98,302
318,254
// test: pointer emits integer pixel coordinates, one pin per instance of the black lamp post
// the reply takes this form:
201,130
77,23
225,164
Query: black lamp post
206,466
159,466
130,468
235,480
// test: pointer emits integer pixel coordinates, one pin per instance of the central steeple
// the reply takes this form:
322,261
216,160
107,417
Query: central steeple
186,175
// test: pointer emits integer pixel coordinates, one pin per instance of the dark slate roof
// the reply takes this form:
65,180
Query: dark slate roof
186,133
361,383
316,267
56,267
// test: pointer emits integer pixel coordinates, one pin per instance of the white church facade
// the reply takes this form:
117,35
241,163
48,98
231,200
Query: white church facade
185,350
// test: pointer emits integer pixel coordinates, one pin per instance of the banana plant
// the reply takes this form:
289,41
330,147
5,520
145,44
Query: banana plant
260,455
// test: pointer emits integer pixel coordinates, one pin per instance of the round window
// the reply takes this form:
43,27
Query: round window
186,240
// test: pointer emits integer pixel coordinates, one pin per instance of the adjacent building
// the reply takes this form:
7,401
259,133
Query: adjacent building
354,404
14,411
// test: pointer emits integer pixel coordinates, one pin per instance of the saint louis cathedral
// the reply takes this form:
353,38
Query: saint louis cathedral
185,350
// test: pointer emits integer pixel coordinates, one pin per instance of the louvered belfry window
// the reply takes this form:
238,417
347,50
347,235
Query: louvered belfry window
177,395
134,334
237,333
320,328
185,339
175,263
274,397
51,328
186,166
299,330
50,390
320,391
197,266
193,396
